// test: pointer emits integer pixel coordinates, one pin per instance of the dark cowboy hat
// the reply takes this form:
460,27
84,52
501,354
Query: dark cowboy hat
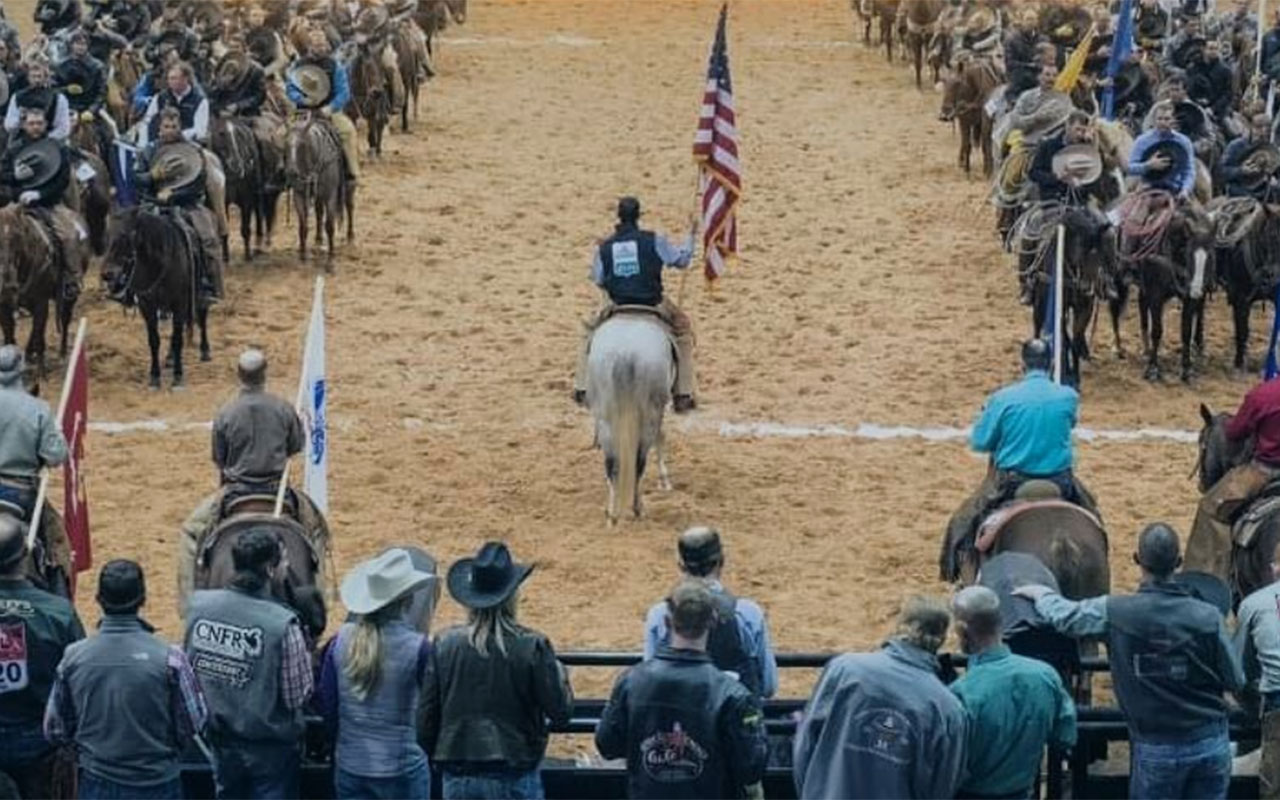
37,163
1207,588
488,579
179,164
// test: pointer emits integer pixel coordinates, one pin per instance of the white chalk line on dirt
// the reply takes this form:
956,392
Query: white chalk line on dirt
571,40
742,430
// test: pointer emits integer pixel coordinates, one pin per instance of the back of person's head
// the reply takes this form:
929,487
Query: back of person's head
122,588
700,551
1036,354
977,612
254,554
251,367
13,545
628,210
1159,551
923,622
692,608
493,626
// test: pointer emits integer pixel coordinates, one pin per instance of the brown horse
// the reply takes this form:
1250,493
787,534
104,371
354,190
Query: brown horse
152,261
371,98
1068,540
236,146
409,61
299,584
920,18
887,12
33,272
964,101
92,195
316,176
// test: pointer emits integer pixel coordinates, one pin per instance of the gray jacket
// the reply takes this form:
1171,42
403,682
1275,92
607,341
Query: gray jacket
29,435
881,725
254,435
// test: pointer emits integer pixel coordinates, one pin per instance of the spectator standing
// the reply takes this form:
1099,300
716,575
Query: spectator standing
743,647
255,668
370,681
492,687
1016,705
882,724
35,629
686,728
1170,662
1257,644
128,701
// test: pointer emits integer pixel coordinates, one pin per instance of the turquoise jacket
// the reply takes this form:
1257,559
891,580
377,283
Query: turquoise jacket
1026,426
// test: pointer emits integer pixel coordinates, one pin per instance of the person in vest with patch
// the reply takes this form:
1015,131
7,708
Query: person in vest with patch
628,267
36,627
39,94
126,699
1171,662
370,681
332,105
182,93
686,728
251,658
739,640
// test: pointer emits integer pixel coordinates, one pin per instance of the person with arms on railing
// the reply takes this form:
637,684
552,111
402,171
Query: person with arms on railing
686,728
492,687
251,657
742,647
1016,705
1257,644
36,627
1171,662
126,699
882,724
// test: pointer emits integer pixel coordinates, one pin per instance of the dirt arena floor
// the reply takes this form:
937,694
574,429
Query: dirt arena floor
871,290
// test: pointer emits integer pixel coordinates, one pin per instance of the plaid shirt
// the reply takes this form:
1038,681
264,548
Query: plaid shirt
296,678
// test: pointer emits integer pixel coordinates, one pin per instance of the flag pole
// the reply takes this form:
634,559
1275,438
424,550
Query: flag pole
43,491
302,393
1262,15
1057,304
697,207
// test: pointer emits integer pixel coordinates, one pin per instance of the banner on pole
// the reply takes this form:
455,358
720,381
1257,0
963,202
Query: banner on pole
313,406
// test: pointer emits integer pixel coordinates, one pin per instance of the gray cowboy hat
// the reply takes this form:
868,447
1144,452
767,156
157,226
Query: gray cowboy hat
488,579
382,580
10,364
1084,158
312,82
180,162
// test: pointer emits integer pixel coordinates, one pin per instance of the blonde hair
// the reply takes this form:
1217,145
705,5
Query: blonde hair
361,658
492,625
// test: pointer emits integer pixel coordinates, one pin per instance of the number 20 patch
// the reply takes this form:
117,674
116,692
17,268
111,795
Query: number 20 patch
13,658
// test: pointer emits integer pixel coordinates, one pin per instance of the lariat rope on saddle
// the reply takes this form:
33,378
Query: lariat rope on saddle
1145,218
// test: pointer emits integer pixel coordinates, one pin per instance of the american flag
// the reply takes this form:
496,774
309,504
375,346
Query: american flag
715,146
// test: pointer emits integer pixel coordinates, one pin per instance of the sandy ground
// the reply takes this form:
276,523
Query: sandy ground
871,289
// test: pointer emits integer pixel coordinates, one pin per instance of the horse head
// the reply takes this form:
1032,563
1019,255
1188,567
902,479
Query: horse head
1195,238
118,263
951,93
1217,453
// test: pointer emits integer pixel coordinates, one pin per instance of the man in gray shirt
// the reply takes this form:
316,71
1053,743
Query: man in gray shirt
1257,643
255,434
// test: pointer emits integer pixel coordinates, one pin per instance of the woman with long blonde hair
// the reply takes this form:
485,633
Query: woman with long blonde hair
372,676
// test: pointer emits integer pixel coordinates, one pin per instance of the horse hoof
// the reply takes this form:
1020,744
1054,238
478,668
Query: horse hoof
205,356
179,384
1152,374
154,384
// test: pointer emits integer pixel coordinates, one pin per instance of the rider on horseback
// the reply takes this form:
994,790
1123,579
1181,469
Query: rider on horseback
334,102
1026,427
1246,169
628,267
255,434
1209,547
83,79
1163,157
39,94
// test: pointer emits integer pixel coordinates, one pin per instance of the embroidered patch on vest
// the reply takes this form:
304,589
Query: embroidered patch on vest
13,658
672,757
225,652
626,259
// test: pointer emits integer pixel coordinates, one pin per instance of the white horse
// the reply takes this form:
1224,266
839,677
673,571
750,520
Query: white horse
629,374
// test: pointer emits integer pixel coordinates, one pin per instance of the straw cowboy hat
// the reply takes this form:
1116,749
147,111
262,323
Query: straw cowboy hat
313,83
381,581
487,580
1078,164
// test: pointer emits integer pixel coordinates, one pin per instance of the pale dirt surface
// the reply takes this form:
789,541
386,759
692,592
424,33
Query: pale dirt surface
871,289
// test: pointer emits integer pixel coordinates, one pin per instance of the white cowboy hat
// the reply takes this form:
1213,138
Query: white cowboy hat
381,581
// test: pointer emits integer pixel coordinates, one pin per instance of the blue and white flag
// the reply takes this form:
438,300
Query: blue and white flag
313,405
1121,47
126,155
1273,359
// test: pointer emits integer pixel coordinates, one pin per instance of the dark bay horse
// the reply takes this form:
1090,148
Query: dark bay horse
409,62
32,275
1068,540
1168,250
921,15
151,261
235,144
1248,258
371,97
964,101
315,173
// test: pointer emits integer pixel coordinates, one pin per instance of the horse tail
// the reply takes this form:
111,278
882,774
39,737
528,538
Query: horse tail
623,416
1064,560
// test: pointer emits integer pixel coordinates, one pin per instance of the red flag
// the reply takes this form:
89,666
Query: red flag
715,146
75,424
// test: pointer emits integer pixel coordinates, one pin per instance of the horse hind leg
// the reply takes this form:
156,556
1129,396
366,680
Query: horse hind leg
152,321
664,475
1116,308
202,319
36,341
175,347
1240,316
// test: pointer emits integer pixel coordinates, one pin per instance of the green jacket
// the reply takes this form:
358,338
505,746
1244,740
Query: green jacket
35,627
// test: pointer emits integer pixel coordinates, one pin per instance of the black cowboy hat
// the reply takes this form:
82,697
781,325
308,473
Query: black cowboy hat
37,163
488,579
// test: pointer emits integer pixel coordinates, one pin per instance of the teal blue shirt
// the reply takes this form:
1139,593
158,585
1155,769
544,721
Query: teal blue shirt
1026,426
1016,706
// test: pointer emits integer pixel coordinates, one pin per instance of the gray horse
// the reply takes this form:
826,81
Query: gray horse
629,374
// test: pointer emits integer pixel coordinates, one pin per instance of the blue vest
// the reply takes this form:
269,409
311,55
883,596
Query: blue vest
377,736
632,268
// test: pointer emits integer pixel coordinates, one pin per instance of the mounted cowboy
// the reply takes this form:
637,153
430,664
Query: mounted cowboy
57,20
1190,118
239,86
170,173
254,436
318,82
39,94
1151,26
1026,429
1251,164
628,267
264,43
83,79
182,93
1163,158
373,28
129,19
171,32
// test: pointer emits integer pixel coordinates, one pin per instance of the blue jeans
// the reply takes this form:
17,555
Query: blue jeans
92,787
498,785
258,772
27,758
412,785
1198,769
